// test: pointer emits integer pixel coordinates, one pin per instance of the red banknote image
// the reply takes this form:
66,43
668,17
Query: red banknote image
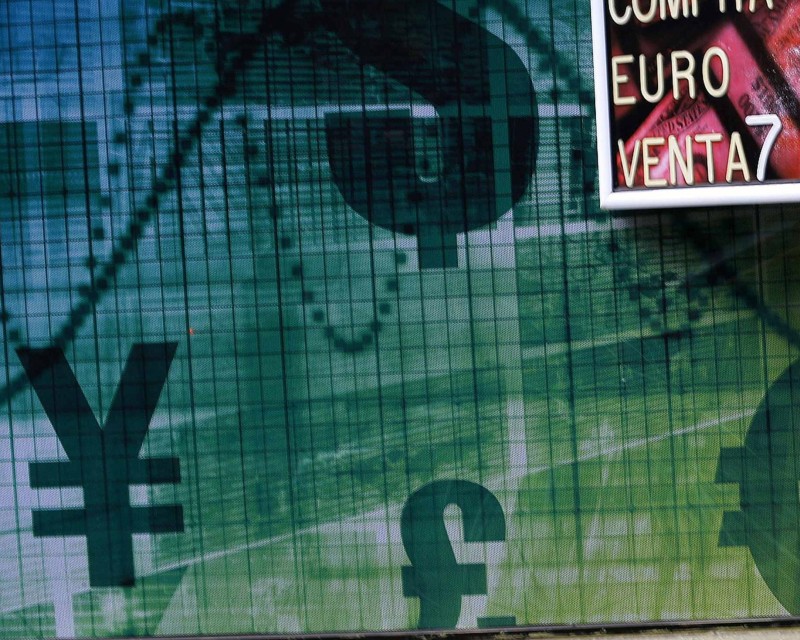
710,95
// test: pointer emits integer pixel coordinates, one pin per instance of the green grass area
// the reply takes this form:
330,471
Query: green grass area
604,459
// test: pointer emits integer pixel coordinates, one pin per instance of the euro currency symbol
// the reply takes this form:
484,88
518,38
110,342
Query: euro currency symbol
766,469
484,137
435,577
103,461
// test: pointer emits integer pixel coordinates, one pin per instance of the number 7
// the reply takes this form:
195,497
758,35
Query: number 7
768,119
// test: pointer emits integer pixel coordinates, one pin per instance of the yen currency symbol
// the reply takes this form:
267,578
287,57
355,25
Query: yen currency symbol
105,461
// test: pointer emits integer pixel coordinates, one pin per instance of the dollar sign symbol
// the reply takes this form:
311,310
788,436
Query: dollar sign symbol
486,128
434,575
766,468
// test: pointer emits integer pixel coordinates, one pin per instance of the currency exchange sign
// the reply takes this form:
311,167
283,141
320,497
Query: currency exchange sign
698,102
103,461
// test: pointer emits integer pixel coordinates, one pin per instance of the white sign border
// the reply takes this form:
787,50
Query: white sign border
643,198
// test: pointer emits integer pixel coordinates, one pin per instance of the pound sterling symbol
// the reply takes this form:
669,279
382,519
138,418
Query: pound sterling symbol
435,576
103,461
458,171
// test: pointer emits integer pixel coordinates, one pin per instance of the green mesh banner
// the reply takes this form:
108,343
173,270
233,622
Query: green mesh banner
311,323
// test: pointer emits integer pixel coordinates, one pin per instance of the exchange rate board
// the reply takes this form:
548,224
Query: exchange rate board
311,322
